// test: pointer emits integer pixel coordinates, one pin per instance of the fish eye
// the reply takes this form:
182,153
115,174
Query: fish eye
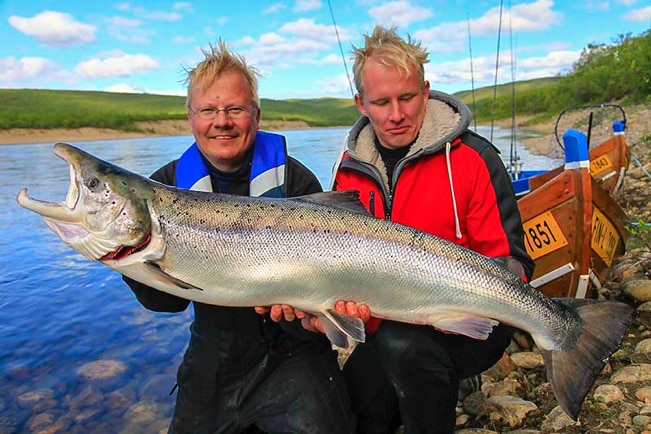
92,183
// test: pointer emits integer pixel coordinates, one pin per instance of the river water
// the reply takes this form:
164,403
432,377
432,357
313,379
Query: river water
79,353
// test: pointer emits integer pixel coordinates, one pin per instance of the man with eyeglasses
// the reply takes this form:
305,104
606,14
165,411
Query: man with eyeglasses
243,372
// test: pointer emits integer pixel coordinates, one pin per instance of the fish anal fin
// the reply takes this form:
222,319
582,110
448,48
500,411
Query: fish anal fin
472,326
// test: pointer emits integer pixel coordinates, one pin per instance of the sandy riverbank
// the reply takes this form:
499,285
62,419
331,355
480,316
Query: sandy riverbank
639,125
146,129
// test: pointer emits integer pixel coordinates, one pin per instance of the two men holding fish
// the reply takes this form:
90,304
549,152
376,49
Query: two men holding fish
425,207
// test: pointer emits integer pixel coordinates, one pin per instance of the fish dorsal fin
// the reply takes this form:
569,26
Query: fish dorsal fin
347,199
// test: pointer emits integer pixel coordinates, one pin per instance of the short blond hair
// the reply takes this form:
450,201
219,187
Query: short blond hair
386,47
219,60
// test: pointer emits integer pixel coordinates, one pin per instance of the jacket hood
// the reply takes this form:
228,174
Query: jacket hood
446,118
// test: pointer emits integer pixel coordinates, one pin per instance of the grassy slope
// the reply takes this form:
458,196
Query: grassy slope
32,108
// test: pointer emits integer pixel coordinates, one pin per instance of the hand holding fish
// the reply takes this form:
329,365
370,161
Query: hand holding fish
312,322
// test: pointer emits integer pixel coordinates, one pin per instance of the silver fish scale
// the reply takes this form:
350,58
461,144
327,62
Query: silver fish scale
245,249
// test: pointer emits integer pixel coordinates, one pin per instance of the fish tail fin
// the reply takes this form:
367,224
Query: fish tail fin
573,372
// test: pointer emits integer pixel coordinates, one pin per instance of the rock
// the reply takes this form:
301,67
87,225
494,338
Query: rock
462,419
642,421
123,398
643,347
31,399
508,386
141,413
609,393
502,368
639,290
509,409
475,431
558,421
86,397
102,369
528,360
644,394
474,403
632,374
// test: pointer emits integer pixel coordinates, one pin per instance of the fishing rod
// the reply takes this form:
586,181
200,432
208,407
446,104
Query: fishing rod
352,94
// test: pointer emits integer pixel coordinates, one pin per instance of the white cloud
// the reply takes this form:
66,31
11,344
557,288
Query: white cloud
183,6
273,8
116,64
305,28
183,39
643,14
306,5
453,37
26,68
399,13
300,41
483,69
54,29
122,22
124,88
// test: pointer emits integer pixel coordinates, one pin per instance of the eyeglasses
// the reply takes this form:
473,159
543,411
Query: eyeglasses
233,112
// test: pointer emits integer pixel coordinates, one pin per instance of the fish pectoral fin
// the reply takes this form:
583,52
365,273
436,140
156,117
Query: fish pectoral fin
167,279
339,326
475,327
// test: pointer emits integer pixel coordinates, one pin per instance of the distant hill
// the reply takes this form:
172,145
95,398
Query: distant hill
47,109
34,108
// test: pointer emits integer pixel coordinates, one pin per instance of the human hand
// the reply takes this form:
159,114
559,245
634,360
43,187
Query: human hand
278,311
312,322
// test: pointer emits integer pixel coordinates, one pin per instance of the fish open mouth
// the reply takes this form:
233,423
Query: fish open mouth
68,219
123,251
61,212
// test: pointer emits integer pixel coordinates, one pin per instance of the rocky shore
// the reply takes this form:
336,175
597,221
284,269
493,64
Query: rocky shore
515,397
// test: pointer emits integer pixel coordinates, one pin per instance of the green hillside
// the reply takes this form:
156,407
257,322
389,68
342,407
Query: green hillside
33,108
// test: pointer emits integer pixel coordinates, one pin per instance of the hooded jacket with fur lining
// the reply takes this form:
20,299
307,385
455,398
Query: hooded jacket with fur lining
452,183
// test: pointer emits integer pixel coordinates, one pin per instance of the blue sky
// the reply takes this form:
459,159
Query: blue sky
145,46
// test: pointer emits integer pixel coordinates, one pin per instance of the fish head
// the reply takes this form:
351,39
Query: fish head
105,215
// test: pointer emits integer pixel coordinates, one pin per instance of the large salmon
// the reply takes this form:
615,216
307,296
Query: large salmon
311,251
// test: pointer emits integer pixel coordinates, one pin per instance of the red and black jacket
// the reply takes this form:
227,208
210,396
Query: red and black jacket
452,183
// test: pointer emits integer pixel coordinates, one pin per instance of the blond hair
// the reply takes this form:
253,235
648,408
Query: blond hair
386,47
219,60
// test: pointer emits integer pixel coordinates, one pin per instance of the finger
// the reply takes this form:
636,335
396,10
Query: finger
261,310
364,313
340,306
300,314
351,309
276,312
288,312
309,324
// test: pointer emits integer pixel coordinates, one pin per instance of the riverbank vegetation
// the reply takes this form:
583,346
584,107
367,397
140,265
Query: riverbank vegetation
604,73
620,72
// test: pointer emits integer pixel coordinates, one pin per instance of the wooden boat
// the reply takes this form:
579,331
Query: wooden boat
573,227
609,159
